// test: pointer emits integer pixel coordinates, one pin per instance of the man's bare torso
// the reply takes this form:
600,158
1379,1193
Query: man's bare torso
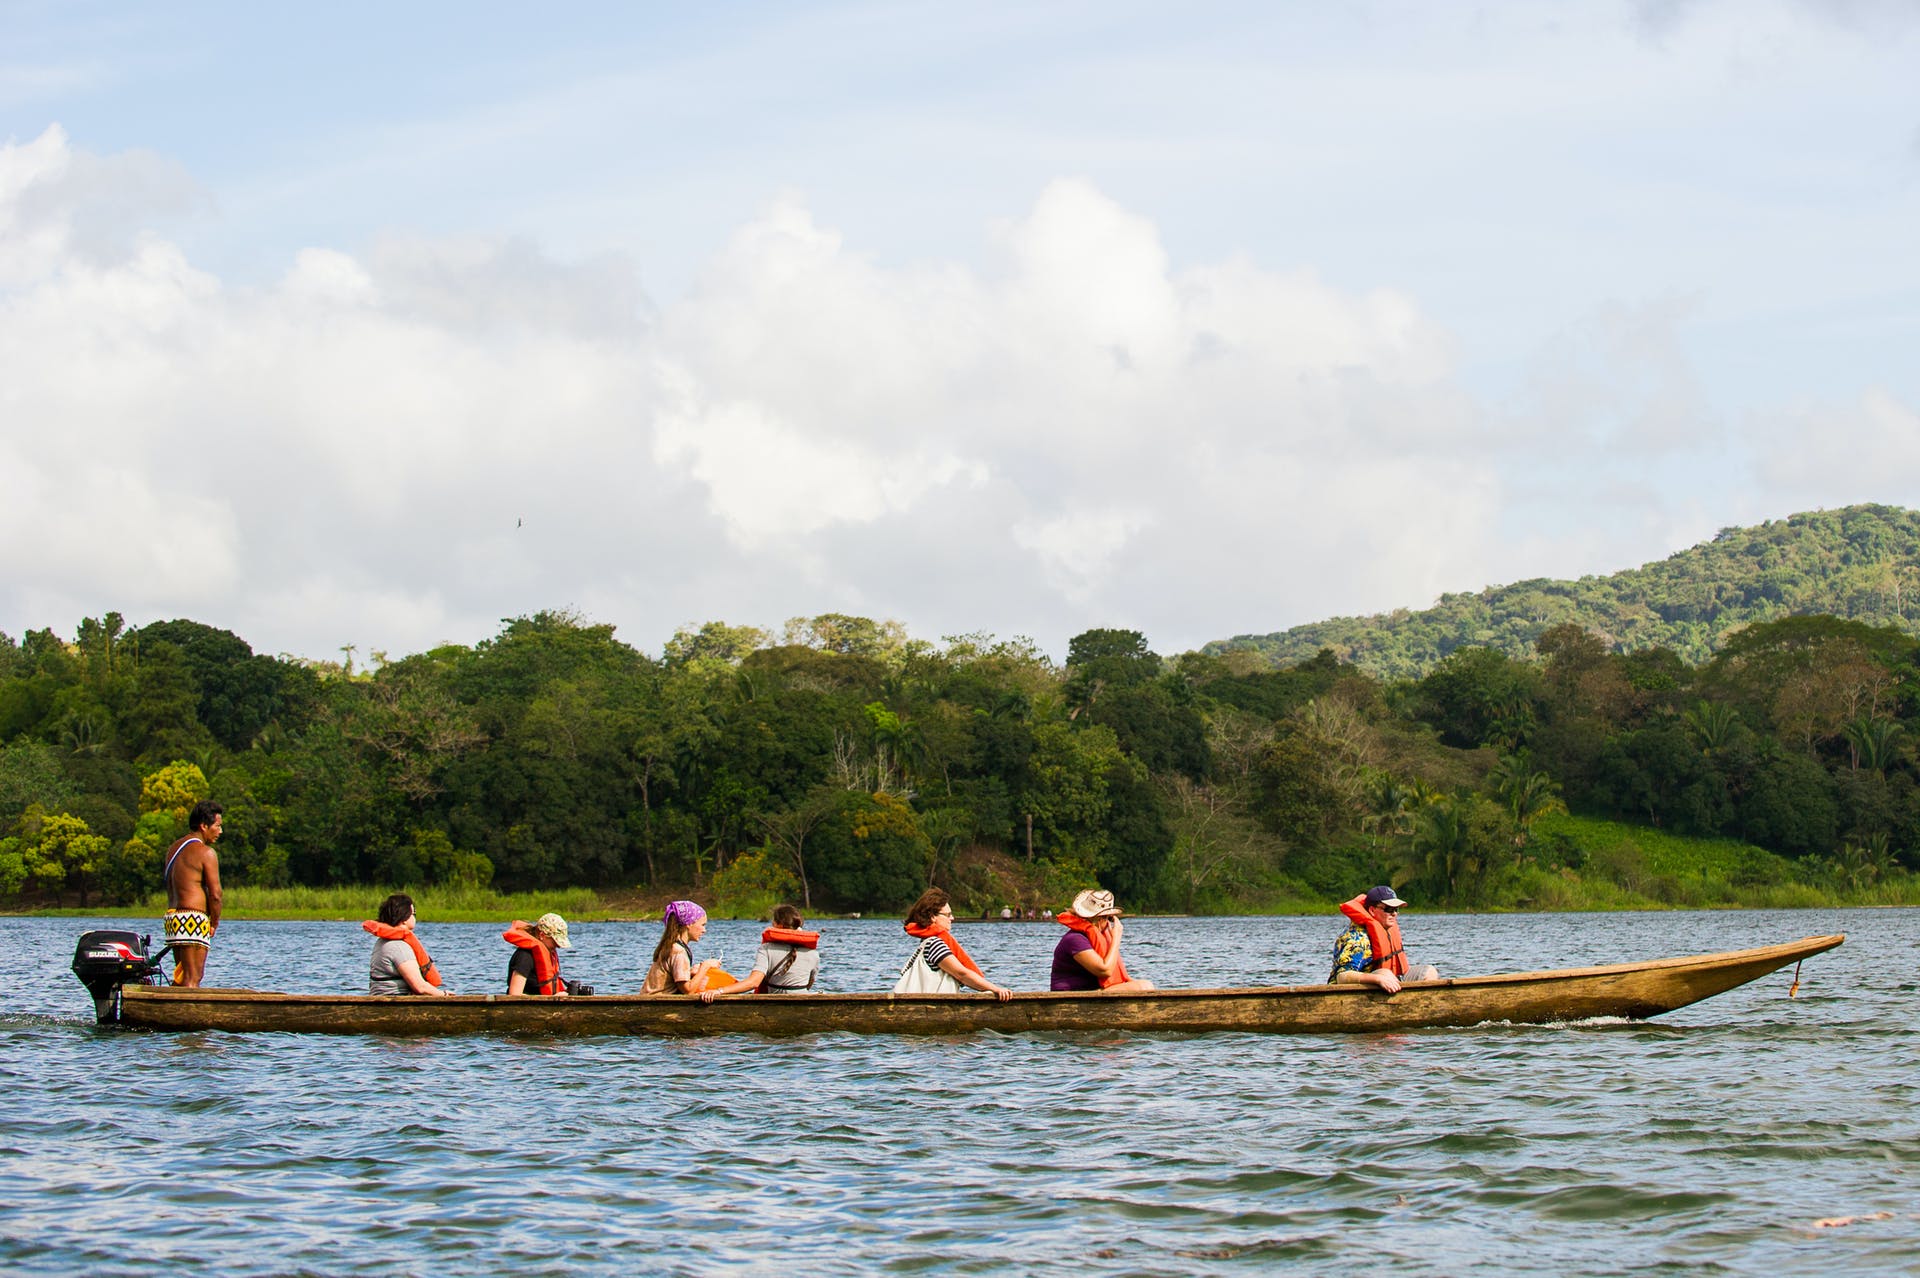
194,863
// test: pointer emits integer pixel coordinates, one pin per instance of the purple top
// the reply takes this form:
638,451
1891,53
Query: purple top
1067,972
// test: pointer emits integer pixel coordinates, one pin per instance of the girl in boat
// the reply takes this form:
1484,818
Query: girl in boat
400,964
940,965
788,961
673,970
1088,956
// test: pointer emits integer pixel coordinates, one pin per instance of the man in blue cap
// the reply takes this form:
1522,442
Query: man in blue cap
1370,952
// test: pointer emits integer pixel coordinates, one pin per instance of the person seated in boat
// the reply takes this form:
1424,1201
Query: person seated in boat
1088,956
1370,952
787,963
400,964
940,964
673,970
535,966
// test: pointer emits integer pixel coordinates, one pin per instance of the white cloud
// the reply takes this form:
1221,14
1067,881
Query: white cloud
1837,454
1078,550
405,444
769,481
1620,380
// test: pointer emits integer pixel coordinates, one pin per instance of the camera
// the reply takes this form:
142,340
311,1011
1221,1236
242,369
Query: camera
578,988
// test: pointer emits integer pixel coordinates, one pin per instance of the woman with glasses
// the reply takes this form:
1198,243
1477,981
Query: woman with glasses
940,964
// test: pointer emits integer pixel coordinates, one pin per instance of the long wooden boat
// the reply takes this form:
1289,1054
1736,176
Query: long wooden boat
1631,990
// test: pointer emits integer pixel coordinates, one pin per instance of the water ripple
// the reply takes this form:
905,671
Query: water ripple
1712,1141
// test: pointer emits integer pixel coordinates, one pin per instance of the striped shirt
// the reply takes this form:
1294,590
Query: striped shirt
934,952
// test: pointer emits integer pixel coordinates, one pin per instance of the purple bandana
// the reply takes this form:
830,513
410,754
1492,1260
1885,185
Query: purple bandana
685,913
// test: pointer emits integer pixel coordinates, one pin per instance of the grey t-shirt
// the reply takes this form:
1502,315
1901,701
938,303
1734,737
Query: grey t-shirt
801,971
383,974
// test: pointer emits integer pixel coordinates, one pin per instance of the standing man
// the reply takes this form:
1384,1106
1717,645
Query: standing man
1370,952
193,894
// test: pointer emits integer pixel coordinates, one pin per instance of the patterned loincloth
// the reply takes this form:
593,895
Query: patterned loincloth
188,927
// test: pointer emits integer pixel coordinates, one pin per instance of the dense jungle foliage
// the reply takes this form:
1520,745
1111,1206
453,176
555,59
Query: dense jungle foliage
1861,563
846,765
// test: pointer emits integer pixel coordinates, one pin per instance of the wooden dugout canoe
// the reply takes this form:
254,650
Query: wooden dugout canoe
1631,990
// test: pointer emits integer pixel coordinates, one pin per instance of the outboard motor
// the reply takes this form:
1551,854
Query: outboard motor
104,961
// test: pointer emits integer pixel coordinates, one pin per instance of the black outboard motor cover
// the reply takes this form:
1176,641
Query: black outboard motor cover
104,961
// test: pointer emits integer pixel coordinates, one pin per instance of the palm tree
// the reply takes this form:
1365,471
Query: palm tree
1390,806
1867,861
85,732
1513,720
1872,743
207,758
1713,724
1444,844
272,739
1527,795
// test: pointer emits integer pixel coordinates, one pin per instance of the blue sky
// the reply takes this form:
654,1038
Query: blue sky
1020,318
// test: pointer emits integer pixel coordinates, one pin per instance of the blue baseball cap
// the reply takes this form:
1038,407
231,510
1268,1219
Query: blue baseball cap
1383,896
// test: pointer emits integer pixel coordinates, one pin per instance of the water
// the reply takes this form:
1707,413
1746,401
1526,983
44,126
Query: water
1712,1141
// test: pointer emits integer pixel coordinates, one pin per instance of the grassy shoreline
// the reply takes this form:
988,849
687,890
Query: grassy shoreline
585,905
1574,865
353,903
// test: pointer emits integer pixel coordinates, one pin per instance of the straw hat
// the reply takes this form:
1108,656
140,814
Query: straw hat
1096,903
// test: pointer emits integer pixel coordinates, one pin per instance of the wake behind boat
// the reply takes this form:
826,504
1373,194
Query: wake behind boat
114,969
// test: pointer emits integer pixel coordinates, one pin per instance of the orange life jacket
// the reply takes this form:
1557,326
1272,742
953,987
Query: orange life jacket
799,941
388,932
1102,944
1384,938
922,931
711,979
546,967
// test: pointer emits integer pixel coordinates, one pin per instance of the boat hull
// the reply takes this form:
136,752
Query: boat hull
1629,990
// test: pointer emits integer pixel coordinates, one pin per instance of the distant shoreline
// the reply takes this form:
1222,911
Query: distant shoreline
325,916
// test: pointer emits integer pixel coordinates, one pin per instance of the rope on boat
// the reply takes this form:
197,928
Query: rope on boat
1793,990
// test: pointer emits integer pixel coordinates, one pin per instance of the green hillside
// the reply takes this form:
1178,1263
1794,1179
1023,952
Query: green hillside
1859,562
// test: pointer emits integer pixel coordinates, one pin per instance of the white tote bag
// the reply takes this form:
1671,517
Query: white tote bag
917,978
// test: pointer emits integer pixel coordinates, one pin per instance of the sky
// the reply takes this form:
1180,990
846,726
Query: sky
377,325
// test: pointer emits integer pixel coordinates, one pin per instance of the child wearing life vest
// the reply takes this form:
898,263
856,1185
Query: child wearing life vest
1088,956
400,964
787,963
673,970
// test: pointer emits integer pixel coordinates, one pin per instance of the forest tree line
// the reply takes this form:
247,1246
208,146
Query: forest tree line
846,765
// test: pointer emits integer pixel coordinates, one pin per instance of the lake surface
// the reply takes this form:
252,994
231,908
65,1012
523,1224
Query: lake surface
1717,1140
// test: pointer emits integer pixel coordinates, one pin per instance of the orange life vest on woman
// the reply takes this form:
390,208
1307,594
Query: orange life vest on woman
1102,939
546,968
1384,938
922,931
388,932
